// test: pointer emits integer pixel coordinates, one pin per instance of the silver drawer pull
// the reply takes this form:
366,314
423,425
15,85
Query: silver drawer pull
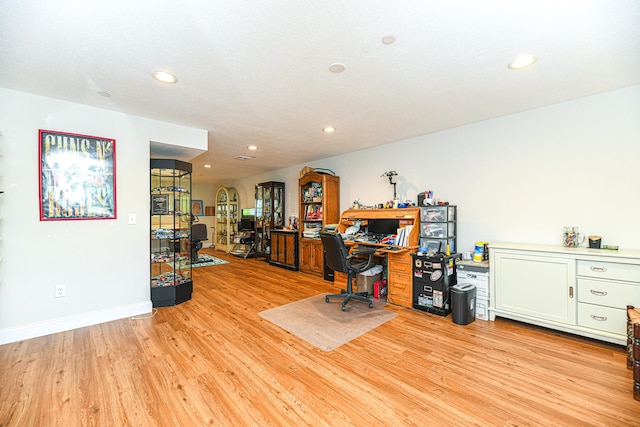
599,318
598,293
598,269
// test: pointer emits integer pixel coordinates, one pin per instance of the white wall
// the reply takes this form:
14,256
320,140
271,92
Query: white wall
515,178
520,177
104,264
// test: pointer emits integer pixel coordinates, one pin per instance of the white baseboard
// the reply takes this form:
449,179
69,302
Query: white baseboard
72,322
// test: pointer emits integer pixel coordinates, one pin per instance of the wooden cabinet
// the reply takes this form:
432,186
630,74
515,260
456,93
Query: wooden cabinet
269,215
284,249
399,279
577,290
311,256
227,216
319,200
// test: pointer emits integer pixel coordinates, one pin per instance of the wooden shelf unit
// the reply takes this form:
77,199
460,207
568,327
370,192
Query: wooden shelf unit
324,205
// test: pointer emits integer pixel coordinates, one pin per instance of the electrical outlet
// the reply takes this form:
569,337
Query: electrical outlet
60,291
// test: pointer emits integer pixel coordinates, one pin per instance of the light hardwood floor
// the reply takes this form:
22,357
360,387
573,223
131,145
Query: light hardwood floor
214,361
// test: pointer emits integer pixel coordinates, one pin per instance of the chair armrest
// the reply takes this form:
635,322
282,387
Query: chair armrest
369,251
366,250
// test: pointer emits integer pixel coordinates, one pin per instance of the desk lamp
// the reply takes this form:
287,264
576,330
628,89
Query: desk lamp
390,175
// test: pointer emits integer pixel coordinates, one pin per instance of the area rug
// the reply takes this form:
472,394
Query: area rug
325,325
204,260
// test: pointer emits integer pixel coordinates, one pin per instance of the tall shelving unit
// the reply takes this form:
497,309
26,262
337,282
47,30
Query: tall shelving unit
269,215
227,216
438,228
319,199
171,280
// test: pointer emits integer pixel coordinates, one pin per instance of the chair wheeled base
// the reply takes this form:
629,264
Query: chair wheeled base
348,296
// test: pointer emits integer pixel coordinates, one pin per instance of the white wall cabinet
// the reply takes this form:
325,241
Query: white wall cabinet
577,290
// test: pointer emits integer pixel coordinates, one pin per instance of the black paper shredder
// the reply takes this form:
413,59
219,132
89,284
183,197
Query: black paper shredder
463,303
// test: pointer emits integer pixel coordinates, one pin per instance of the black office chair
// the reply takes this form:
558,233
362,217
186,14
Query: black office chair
337,257
198,235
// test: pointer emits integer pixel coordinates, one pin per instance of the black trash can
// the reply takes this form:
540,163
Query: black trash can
463,303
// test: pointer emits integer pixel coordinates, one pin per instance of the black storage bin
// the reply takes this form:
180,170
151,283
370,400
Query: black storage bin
463,303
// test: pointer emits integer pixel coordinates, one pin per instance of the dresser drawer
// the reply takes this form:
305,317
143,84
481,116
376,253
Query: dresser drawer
400,283
399,263
608,293
400,289
609,270
606,319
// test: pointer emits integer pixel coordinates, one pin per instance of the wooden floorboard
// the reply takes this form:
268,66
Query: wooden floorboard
214,361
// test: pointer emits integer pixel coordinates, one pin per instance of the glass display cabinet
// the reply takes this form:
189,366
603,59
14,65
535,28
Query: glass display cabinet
269,215
171,280
227,215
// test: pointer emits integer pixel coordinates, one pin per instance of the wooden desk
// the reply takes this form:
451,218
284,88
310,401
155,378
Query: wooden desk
398,259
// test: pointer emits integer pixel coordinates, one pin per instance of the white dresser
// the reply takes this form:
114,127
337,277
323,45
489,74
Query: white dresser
577,290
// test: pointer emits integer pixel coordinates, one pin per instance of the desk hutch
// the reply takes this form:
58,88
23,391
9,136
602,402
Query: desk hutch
398,258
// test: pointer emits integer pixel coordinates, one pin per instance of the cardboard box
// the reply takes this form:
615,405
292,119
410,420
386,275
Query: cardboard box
365,283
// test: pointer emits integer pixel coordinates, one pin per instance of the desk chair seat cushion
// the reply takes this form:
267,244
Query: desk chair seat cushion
198,235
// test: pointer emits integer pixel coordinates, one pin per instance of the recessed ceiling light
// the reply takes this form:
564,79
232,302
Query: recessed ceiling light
164,77
522,61
105,94
207,166
389,39
329,129
337,67
252,147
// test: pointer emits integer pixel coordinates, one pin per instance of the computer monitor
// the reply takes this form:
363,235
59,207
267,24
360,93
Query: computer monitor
248,211
247,223
383,227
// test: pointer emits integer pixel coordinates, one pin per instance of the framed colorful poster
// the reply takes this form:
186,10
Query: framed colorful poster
77,176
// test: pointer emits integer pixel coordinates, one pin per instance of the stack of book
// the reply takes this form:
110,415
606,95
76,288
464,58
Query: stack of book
311,233
402,236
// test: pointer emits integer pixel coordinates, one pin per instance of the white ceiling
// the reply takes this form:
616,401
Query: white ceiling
256,72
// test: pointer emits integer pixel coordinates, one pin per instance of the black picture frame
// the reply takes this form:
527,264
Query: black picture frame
159,204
